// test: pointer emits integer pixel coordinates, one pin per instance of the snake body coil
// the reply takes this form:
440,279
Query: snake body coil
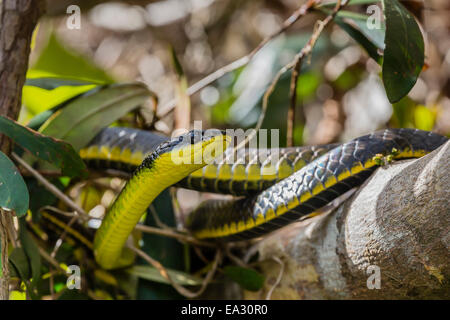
302,180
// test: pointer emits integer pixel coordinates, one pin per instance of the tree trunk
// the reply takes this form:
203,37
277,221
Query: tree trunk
390,240
18,19
17,22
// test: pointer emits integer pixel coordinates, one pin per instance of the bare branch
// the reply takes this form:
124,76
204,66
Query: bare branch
49,186
298,61
295,63
173,234
180,289
280,275
300,12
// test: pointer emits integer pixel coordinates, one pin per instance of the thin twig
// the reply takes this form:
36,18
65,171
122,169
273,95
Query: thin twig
300,12
291,111
265,103
62,212
173,234
69,224
305,51
50,260
298,61
200,254
234,258
180,289
158,221
61,238
49,186
280,275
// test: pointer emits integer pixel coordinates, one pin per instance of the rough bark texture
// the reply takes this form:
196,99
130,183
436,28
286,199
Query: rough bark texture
397,221
17,21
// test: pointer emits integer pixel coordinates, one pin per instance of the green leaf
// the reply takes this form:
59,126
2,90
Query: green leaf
13,191
79,121
359,37
19,261
37,100
50,83
32,252
37,121
54,151
176,63
152,274
20,267
55,60
376,36
248,279
404,52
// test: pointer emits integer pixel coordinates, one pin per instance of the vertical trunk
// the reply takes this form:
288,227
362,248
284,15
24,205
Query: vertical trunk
17,21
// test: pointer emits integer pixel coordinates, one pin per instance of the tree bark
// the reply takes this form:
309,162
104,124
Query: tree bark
17,22
18,19
396,226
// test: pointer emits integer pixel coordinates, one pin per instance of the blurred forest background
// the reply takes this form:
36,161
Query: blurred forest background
340,93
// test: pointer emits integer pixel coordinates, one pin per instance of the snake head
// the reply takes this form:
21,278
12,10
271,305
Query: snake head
189,151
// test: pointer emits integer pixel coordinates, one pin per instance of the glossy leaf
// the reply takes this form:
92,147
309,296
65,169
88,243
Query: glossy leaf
248,279
79,121
32,252
13,191
359,37
37,121
50,83
37,100
21,266
58,153
150,273
404,51
374,34
57,61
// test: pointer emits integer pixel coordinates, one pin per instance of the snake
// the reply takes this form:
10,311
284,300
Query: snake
272,187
